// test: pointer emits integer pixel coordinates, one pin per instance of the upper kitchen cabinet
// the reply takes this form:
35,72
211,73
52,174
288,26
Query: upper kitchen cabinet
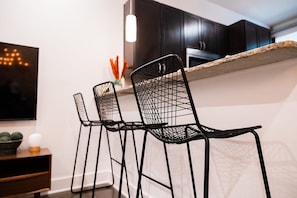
244,35
147,47
159,32
163,30
172,40
203,34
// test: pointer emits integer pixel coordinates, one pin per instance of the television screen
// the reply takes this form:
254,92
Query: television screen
18,82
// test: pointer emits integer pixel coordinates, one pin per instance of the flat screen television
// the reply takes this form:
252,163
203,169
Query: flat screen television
18,82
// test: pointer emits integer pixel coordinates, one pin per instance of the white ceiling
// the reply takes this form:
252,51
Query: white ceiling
267,12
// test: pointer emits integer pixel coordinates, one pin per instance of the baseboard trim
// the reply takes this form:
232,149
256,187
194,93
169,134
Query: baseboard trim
63,184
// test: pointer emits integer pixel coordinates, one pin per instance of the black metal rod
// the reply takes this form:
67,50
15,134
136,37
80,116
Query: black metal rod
85,165
206,167
168,169
261,158
141,164
136,157
75,159
97,160
191,169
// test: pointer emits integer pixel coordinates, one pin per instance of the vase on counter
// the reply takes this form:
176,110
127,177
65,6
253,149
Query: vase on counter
117,83
118,74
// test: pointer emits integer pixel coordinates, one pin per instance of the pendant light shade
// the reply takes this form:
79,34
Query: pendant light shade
131,28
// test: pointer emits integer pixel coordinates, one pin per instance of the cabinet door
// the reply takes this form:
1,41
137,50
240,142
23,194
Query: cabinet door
148,32
172,32
263,35
221,40
192,31
250,36
208,35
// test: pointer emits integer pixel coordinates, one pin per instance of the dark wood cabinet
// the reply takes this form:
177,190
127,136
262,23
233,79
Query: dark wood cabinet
192,31
25,172
172,40
244,35
159,32
221,42
162,29
147,47
204,34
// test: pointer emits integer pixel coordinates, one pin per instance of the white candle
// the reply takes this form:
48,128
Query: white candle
34,142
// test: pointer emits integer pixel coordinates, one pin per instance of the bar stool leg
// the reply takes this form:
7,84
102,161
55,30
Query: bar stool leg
168,169
136,158
86,158
141,164
75,159
261,158
191,169
123,166
97,160
206,167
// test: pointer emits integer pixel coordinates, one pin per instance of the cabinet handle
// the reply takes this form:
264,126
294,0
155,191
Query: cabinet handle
200,45
164,68
160,68
204,45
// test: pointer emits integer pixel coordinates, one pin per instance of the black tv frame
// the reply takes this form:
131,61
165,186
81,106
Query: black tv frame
18,82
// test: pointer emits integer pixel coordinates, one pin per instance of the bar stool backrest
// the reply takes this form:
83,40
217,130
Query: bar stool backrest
107,102
162,93
81,109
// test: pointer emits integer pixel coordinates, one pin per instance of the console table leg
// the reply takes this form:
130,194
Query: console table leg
36,194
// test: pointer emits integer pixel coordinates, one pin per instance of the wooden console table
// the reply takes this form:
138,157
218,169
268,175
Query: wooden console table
25,173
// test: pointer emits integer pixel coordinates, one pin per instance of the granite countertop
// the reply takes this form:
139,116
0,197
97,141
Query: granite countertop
268,54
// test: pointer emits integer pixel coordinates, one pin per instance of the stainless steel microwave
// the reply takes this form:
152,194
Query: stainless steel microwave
196,57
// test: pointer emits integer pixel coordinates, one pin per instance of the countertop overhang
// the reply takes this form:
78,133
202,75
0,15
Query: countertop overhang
268,54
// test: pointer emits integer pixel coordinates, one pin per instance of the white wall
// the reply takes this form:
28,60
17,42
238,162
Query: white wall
75,38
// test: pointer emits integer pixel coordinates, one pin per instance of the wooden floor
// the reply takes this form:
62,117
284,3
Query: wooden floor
102,193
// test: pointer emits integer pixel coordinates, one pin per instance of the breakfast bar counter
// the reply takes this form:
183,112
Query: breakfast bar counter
256,87
265,55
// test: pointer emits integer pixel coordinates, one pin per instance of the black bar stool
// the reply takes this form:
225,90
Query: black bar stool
111,118
168,112
84,122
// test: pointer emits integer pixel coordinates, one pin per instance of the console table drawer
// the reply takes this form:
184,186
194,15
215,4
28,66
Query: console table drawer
25,173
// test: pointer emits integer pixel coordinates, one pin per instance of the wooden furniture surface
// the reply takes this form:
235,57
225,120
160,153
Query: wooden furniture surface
25,172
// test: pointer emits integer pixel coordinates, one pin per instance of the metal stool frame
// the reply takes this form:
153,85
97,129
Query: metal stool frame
84,122
111,117
168,112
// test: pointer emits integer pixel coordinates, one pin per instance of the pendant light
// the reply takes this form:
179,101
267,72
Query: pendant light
131,27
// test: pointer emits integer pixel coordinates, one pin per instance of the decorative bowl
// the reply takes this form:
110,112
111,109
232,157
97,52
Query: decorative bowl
9,147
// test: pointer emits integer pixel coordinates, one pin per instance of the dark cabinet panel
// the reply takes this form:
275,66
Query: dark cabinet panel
208,34
148,32
250,36
244,35
172,31
264,36
162,30
192,36
205,34
147,47
221,43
